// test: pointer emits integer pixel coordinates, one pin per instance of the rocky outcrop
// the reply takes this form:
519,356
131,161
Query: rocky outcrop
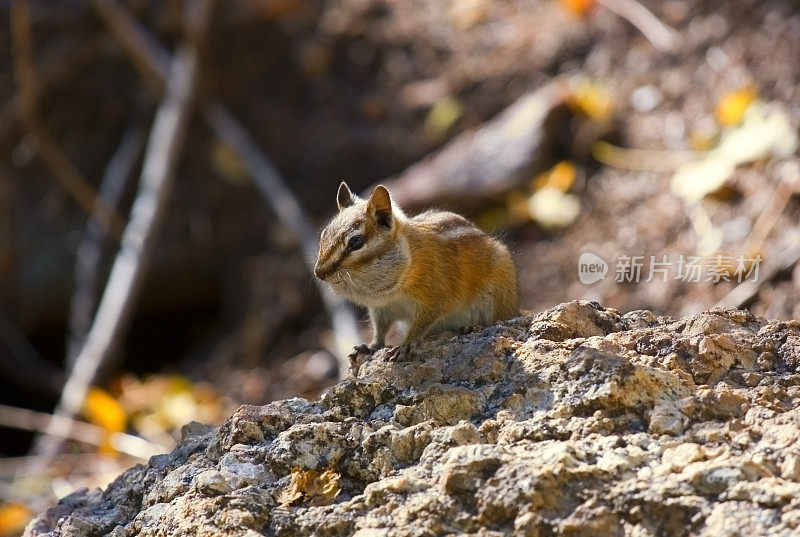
576,421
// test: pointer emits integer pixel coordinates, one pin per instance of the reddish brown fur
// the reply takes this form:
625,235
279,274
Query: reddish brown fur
436,271
453,261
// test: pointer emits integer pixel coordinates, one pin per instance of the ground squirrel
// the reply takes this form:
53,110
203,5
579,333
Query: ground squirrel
433,272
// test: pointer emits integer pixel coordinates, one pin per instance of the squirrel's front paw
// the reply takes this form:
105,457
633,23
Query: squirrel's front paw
401,353
360,349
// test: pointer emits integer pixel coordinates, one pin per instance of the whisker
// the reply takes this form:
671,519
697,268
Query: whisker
349,276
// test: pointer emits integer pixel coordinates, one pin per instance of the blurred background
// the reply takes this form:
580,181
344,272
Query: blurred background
172,163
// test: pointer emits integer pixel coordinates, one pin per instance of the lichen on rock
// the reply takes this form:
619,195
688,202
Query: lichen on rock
575,421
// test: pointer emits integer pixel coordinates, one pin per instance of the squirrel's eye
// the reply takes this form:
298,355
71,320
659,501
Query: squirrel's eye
355,242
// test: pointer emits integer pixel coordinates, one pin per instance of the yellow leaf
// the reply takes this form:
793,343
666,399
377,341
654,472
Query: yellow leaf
578,7
443,115
552,208
176,409
179,384
540,181
309,485
294,491
560,176
766,131
592,99
13,518
732,106
102,409
328,488
695,180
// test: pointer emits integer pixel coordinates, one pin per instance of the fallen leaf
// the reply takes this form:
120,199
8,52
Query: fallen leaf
560,176
732,106
102,409
694,180
442,116
311,486
578,7
591,98
701,140
13,518
765,132
295,490
552,208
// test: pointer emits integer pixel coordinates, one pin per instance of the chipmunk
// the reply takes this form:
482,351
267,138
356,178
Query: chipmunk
435,271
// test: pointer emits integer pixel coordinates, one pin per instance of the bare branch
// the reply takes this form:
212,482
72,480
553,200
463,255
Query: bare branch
149,59
30,420
116,306
785,188
292,215
785,258
659,34
647,160
744,292
90,252
490,160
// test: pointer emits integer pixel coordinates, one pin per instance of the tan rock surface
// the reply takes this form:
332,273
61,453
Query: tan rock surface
575,421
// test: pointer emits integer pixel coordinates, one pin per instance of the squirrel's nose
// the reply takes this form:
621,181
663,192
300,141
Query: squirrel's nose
319,272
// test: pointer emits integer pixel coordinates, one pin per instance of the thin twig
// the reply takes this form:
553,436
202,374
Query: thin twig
64,171
292,215
781,194
150,59
747,290
148,56
659,34
80,463
124,282
30,420
784,259
645,160
89,255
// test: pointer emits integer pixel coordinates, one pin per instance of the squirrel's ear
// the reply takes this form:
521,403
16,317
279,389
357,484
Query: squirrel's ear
344,198
380,205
